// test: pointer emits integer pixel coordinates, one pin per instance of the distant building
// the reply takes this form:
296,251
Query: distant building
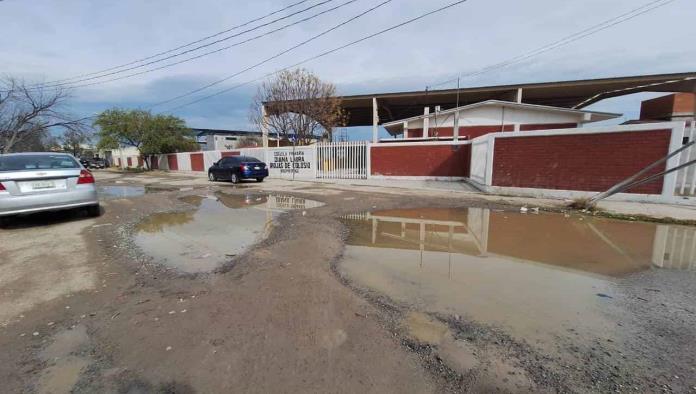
677,106
215,139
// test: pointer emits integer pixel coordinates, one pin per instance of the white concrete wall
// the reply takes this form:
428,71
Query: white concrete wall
210,157
163,162
493,115
303,167
479,159
184,161
259,153
123,154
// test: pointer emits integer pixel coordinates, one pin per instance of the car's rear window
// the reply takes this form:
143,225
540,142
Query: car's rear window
37,162
249,159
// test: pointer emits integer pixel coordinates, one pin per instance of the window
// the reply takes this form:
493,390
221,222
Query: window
37,162
228,161
230,138
249,159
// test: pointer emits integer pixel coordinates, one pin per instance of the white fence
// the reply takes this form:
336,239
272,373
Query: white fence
686,177
343,160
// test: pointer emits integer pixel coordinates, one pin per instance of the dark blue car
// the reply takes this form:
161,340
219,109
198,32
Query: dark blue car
236,168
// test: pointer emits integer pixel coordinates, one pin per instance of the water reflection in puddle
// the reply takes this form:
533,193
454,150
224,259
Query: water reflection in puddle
120,191
222,226
533,275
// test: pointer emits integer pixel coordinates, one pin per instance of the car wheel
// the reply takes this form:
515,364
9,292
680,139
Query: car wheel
94,211
234,178
259,179
211,177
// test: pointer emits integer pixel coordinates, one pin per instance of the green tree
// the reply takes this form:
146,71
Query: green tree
72,140
150,134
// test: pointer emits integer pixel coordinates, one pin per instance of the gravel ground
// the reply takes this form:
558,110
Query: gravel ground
100,316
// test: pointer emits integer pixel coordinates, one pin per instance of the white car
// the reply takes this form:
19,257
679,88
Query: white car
35,182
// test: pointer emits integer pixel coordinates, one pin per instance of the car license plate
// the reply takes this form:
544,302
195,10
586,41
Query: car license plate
42,185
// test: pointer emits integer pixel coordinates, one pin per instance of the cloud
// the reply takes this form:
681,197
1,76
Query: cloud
74,37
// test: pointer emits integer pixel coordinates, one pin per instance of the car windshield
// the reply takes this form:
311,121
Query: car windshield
249,159
36,162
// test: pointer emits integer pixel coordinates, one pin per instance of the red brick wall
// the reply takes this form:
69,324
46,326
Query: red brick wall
154,162
548,126
197,162
227,154
471,132
172,163
421,160
140,161
585,162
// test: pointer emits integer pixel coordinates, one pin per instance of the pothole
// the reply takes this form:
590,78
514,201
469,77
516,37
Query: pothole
221,227
536,276
115,192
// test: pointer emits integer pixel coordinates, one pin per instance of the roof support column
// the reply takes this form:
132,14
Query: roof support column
375,121
455,128
406,129
426,122
518,97
264,126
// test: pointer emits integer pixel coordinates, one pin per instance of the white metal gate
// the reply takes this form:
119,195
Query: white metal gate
675,247
342,160
686,177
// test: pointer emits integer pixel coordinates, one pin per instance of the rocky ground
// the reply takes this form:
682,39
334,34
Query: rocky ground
84,310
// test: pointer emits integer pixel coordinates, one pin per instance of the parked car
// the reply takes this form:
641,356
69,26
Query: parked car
35,182
84,161
97,163
236,168
93,163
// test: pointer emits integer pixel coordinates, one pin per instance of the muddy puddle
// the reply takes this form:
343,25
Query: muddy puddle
114,192
221,227
536,276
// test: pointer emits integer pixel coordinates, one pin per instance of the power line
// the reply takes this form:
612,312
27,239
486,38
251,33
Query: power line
102,75
216,50
326,53
181,46
277,55
634,13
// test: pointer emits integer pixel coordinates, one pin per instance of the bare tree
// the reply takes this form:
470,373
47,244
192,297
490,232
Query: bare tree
299,105
27,113
73,139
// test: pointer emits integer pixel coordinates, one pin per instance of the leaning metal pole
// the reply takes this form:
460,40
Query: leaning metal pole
633,178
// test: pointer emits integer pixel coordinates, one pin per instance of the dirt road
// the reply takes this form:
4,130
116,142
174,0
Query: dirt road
87,307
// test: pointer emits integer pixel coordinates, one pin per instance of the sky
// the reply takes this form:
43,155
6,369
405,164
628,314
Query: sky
48,40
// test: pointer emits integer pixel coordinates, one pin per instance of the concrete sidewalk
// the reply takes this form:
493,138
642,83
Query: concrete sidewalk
679,212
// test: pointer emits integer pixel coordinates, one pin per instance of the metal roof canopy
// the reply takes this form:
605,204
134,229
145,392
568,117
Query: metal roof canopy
567,94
